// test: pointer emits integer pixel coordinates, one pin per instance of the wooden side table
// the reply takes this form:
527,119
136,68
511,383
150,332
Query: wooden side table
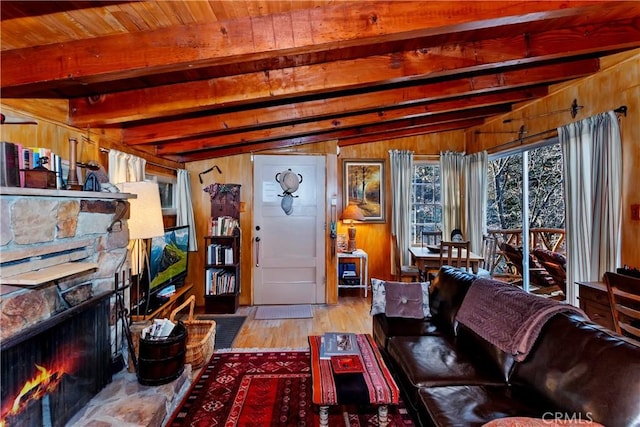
363,257
594,301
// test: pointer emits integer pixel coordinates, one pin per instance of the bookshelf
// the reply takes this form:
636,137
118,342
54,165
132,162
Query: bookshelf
222,272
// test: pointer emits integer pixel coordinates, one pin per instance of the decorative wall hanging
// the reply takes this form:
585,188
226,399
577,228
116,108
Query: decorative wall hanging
225,199
290,182
363,185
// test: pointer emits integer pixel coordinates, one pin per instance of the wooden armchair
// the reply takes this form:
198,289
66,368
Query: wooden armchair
556,265
624,298
541,282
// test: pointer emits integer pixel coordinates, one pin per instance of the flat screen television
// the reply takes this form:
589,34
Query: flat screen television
168,262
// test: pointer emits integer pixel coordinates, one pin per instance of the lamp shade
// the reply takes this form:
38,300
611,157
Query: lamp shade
352,212
145,215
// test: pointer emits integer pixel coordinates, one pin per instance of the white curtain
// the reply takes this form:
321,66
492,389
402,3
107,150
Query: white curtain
592,152
184,207
476,198
401,178
451,166
125,167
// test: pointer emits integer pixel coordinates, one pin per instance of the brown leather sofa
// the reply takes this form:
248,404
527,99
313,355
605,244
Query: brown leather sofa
450,376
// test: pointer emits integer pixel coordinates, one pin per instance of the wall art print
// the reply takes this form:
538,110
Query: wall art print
363,185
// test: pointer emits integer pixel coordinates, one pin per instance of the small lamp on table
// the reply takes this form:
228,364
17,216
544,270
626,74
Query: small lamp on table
349,215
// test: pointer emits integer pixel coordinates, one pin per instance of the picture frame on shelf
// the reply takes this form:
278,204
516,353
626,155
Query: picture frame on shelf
364,185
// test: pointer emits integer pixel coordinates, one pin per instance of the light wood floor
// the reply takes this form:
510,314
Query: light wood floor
351,314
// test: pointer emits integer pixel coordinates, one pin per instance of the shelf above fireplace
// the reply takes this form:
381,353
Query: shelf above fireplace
48,274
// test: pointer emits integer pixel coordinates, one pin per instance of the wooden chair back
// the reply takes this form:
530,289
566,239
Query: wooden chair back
624,298
455,254
489,245
430,238
402,271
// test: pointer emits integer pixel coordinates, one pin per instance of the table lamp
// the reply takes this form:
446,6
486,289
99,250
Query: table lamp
349,215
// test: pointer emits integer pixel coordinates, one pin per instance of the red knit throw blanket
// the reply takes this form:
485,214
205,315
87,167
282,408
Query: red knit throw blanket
508,317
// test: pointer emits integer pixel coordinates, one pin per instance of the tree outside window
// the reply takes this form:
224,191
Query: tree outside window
426,208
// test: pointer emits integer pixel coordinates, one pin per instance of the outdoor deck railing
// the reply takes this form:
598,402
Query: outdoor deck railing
547,238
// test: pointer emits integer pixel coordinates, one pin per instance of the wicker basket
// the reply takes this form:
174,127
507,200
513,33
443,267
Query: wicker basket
201,335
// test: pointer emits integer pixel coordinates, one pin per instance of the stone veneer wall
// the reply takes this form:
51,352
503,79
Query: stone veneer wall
38,221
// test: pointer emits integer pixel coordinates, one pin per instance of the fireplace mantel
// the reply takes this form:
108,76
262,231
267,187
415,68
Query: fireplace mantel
19,191
75,240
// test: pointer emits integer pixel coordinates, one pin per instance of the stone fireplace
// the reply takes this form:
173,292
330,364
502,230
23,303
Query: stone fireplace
60,254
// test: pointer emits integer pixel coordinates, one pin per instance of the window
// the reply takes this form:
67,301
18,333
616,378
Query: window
167,187
426,209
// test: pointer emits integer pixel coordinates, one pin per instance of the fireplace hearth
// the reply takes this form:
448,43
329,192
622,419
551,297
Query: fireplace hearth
51,370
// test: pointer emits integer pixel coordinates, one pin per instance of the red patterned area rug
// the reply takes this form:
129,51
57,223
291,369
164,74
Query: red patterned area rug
271,388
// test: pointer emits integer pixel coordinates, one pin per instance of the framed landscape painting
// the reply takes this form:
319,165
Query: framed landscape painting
363,185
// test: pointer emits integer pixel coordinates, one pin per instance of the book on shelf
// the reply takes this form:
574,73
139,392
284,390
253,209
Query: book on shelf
219,254
338,344
222,226
9,165
219,281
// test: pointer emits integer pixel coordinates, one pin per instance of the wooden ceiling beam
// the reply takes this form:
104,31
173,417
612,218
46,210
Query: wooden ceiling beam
187,146
298,32
318,79
280,144
477,85
414,131
396,103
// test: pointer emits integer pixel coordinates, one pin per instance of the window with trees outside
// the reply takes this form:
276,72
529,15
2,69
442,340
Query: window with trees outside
426,209
545,194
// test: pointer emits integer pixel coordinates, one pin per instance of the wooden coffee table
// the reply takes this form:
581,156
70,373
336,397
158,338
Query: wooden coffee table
373,384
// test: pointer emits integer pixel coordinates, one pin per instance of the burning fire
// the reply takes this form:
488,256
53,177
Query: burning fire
44,382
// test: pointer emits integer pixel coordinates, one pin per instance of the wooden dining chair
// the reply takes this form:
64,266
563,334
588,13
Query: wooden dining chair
403,271
430,238
489,245
624,299
454,254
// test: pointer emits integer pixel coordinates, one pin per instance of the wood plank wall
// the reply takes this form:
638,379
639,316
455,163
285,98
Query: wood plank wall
617,84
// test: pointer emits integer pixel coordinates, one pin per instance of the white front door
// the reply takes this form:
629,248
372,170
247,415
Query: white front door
289,262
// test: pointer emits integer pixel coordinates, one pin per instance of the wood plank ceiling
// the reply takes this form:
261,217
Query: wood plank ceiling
190,80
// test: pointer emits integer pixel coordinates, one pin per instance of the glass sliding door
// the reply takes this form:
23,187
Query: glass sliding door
531,178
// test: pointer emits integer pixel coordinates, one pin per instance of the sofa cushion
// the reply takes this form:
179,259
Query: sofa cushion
428,361
475,405
547,420
385,327
379,295
404,300
585,369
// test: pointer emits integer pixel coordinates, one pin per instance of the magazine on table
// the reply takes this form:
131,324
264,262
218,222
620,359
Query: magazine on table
338,344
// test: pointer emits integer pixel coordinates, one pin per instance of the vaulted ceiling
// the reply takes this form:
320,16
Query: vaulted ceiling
190,80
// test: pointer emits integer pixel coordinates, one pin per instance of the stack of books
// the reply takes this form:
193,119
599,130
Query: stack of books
343,351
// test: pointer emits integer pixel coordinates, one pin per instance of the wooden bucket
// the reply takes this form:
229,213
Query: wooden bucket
162,361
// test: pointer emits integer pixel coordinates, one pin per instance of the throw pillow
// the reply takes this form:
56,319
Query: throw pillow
404,300
379,298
